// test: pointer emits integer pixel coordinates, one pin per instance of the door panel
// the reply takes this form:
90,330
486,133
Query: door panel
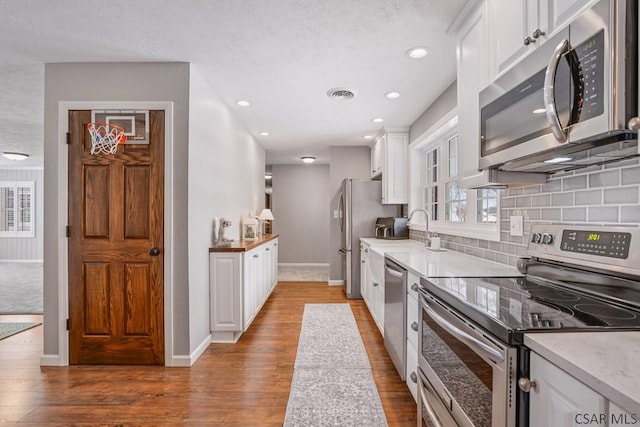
116,216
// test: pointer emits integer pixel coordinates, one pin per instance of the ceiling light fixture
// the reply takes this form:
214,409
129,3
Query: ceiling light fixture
14,156
268,176
418,52
392,95
368,137
308,159
377,120
264,133
539,111
243,103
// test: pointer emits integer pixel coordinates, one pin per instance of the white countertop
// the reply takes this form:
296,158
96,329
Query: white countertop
605,361
428,263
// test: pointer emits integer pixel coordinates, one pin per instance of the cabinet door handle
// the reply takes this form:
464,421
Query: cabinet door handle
538,33
528,40
414,287
414,377
256,256
375,284
267,249
364,262
414,326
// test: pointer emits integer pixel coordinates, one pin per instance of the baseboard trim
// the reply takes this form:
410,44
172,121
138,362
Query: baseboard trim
50,360
336,282
22,261
188,361
302,264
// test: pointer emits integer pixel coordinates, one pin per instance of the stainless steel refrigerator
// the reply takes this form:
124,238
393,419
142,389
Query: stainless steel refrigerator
360,204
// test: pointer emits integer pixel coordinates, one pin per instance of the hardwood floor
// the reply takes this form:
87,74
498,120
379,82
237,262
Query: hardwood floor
230,385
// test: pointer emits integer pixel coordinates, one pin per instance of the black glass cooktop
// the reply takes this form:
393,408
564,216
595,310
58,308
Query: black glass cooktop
508,307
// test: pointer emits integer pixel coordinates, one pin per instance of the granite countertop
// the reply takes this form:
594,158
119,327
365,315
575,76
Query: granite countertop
604,361
243,245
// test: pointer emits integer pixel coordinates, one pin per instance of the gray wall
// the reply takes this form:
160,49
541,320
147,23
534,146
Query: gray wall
25,248
299,204
608,195
346,162
446,102
218,170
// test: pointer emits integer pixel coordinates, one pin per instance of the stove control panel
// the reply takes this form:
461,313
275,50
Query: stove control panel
603,243
603,247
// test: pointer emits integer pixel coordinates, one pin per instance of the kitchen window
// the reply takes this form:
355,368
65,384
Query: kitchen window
16,209
436,188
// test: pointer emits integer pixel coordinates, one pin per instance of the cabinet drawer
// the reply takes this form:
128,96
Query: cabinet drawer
412,279
412,321
412,370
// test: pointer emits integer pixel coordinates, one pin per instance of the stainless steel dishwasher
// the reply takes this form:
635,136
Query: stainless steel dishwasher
395,314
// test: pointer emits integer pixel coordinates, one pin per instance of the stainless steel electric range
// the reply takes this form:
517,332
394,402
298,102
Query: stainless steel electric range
575,278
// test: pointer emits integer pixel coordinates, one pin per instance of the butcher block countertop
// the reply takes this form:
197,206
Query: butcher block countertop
243,245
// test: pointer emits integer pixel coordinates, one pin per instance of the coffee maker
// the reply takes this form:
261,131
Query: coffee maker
391,228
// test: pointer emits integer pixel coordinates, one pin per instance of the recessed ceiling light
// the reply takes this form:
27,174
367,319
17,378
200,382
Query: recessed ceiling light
243,103
268,176
368,137
539,111
418,52
558,160
14,156
264,133
377,120
392,95
308,159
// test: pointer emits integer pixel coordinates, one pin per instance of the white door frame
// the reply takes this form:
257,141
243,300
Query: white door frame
63,197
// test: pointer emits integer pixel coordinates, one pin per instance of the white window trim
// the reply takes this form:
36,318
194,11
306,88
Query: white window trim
429,139
22,234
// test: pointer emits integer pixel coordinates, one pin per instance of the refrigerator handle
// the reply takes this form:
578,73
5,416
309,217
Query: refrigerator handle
341,213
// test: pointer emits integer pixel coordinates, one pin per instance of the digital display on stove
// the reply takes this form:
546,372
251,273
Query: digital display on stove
600,243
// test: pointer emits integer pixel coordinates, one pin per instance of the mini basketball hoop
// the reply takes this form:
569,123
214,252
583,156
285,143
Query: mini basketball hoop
106,137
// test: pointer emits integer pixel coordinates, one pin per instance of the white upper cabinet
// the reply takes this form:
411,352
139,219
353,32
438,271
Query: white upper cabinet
472,54
390,162
519,26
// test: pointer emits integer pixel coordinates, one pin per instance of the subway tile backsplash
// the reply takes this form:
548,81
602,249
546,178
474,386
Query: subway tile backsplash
604,195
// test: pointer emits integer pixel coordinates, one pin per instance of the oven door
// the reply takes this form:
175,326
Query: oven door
467,378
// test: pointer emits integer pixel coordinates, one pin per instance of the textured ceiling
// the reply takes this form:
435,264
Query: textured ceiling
281,55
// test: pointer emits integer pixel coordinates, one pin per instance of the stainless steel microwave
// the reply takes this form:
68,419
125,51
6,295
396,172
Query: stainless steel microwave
569,102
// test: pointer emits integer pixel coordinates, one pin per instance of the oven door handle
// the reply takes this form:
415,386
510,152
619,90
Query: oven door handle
475,344
424,387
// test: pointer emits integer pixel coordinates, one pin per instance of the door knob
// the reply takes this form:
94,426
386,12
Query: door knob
154,251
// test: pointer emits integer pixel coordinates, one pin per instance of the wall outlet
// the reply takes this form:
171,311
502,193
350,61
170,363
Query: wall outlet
515,225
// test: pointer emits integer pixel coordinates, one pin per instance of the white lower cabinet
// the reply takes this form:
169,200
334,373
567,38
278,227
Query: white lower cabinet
559,399
372,283
240,283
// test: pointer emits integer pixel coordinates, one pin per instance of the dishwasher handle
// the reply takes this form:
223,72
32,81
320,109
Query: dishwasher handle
393,272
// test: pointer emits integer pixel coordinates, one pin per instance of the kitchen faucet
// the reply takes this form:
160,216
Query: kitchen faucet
427,241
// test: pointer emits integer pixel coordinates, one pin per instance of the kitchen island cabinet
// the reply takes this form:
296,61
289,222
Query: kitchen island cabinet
242,275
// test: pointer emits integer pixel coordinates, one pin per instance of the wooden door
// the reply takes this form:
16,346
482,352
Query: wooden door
116,208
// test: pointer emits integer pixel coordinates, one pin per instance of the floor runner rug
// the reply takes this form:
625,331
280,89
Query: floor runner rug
11,328
332,382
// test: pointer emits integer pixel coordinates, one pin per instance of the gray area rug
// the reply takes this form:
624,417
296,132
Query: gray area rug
332,382
303,273
21,290
11,328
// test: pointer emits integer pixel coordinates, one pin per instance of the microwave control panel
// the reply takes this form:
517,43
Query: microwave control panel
591,59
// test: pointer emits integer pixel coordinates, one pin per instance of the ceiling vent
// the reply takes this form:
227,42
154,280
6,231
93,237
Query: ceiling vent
340,94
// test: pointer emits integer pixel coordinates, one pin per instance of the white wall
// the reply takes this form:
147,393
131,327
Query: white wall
25,248
226,179
299,205
346,162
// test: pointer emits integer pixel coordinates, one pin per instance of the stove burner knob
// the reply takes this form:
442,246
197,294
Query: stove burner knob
547,239
535,237
525,384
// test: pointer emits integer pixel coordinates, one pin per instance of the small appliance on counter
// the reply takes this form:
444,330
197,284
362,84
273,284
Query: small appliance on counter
392,228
